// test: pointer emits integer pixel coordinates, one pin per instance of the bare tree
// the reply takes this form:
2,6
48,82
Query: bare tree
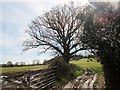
57,30
22,63
17,64
34,62
37,61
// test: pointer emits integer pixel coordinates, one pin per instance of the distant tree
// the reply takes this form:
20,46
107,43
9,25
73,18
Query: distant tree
34,62
9,63
3,65
17,64
37,62
57,30
102,33
22,63
45,61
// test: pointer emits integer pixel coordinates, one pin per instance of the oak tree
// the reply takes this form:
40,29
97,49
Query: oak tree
57,30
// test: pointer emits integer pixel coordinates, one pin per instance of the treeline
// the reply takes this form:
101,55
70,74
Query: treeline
5,65
18,64
37,62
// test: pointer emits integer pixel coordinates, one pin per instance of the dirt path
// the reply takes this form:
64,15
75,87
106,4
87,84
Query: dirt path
86,80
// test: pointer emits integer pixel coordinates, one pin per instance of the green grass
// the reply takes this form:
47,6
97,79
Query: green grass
21,68
94,65
78,70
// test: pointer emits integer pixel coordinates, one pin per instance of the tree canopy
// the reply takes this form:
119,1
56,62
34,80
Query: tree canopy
57,30
102,33
69,29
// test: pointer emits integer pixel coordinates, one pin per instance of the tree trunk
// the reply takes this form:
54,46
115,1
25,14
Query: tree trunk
112,76
66,58
66,55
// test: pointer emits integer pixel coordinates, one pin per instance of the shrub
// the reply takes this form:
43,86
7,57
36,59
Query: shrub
75,70
62,66
65,72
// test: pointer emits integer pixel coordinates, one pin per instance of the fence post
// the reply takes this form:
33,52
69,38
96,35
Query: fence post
28,80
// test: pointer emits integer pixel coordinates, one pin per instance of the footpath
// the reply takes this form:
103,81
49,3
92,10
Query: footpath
86,80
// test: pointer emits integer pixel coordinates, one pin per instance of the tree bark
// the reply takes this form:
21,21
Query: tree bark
66,58
66,55
112,76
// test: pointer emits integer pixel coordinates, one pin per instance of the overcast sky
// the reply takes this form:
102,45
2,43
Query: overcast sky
15,15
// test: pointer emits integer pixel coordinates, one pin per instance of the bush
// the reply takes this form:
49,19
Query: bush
65,72
75,70
62,66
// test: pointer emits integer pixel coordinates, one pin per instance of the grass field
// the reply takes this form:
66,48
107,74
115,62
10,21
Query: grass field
94,65
22,68
83,63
